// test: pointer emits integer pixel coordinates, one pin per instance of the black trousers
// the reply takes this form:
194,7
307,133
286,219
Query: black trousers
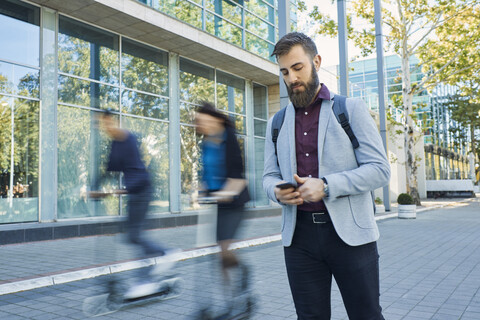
317,253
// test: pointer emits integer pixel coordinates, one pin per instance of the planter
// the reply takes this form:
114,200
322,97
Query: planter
379,208
407,211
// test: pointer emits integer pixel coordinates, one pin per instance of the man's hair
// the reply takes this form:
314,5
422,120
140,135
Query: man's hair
288,41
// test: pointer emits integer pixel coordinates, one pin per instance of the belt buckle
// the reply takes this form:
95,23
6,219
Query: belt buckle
313,217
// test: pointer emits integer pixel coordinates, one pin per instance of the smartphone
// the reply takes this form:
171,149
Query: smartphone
286,185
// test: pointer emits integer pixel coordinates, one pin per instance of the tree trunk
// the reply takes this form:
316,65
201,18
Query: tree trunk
411,164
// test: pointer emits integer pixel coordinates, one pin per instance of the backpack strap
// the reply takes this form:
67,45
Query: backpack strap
341,113
277,123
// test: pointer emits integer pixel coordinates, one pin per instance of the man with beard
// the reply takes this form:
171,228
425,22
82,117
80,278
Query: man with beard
328,225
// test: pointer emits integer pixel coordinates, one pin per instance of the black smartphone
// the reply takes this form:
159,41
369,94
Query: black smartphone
286,185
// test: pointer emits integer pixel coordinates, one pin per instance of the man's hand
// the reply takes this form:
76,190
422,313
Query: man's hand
288,196
310,189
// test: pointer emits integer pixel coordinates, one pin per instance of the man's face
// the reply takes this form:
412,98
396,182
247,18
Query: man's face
300,75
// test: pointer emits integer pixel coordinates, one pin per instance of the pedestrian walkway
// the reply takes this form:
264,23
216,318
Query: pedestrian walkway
429,269
27,266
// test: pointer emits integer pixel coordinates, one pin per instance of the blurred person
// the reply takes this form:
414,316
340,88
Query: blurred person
125,157
222,177
328,224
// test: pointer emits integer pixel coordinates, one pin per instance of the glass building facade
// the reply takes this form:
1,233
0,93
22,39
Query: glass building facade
442,159
59,73
249,24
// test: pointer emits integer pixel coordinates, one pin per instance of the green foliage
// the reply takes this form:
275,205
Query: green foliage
405,198
378,200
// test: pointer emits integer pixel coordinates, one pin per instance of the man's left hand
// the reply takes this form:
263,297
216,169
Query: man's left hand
311,189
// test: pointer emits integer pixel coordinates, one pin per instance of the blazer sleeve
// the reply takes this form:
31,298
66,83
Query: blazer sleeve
373,169
271,171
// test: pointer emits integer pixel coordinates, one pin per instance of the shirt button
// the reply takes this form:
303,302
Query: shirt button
304,133
307,154
306,113
309,175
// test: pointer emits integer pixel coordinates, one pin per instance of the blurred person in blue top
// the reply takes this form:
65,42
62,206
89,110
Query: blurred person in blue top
222,176
125,157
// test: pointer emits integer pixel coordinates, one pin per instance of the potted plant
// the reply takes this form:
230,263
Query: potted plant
379,207
406,206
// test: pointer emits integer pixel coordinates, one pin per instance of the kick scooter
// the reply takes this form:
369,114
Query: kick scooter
237,301
115,298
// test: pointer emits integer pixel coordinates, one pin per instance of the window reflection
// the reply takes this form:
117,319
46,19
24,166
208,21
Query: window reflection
20,32
82,156
230,93
190,166
196,82
87,52
153,138
144,68
144,105
19,80
19,136
87,93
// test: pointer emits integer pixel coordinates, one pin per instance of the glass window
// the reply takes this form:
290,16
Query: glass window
20,32
87,52
187,113
144,68
258,46
144,105
82,156
260,27
190,166
153,138
183,10
223,29
230,93
260,101
86,93
260,196
196,82
261,9
227,9
19,80
260,127
19,141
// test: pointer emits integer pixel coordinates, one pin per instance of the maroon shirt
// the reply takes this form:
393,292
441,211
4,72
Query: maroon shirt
306,139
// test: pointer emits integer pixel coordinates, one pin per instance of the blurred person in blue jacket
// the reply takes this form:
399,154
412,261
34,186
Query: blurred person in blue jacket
125,157
222,177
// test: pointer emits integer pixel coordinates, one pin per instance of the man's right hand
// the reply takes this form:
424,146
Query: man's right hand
288,196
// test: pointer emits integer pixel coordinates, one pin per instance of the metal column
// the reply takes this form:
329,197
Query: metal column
381,90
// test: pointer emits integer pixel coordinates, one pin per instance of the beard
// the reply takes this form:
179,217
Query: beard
303,99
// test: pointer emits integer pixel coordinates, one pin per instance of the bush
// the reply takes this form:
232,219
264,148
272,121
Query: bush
405,198
378,200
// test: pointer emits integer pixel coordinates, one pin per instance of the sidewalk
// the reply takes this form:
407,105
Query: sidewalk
32,265
429,269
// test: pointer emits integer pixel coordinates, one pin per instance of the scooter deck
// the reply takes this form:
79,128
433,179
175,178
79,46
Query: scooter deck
112,302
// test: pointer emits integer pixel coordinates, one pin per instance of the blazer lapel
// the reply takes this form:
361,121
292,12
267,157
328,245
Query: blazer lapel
324,117
290,122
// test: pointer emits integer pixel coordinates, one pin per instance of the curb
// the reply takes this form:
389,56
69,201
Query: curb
87,273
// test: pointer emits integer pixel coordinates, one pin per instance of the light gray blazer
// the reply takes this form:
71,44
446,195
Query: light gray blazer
351,173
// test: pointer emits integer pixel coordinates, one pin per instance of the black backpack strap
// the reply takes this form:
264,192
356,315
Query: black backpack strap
341,113
277,123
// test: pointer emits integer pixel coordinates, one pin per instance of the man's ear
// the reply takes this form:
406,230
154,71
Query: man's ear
317,62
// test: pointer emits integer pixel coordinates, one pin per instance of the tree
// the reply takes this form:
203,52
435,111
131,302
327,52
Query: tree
466,112
443,35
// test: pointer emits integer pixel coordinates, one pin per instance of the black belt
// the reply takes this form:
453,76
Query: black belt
314,217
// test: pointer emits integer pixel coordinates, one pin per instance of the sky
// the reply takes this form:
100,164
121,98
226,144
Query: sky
327,46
